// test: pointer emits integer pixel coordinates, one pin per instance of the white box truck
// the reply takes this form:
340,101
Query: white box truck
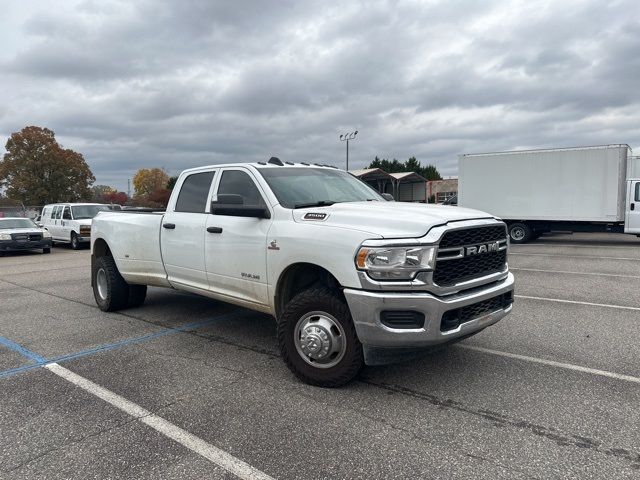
583,189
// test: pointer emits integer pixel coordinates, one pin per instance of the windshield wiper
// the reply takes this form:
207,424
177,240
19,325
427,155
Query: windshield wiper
321,203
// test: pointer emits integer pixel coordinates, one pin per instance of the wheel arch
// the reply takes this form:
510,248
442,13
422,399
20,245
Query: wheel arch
299,277
100,248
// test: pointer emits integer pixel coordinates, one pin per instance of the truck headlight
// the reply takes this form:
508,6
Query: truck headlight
5,236
46,234
395,263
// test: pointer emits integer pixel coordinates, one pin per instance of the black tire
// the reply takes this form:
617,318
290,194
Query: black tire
46,250
519,233
328,302
137,295
75,243
115,291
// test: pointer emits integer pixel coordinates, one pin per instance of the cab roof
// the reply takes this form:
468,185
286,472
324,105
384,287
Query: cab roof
273,162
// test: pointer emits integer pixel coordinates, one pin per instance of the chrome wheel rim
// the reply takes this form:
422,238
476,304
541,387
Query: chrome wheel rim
320,339
101,283
517,233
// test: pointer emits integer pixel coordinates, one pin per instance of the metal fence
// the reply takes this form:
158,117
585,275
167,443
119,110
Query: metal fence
26,211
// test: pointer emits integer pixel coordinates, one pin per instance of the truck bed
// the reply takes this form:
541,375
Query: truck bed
135,243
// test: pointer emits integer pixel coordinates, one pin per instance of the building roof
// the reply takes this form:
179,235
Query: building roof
410,177
371,174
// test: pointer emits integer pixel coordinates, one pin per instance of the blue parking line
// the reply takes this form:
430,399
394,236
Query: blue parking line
25,352
40,361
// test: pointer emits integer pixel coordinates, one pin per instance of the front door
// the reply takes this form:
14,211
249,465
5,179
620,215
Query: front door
56,219
182,232
632,216
65,224
236,247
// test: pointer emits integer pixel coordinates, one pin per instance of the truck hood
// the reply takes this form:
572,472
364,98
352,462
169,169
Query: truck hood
22,230
386,219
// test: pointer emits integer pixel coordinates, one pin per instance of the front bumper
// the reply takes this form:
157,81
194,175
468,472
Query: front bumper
366,308
13,245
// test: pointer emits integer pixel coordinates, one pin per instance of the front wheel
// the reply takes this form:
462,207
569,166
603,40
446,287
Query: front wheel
519,233
317,339
75,243
46,250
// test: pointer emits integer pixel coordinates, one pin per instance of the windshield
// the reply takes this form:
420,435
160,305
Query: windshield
87,211
299,187
8,223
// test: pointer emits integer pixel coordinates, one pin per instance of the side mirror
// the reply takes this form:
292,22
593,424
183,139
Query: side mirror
388,197
232,205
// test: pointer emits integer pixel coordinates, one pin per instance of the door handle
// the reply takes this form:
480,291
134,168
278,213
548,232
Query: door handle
214,229
170,226
633,206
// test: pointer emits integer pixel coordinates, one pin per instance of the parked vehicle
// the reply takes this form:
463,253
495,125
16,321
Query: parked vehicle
71,222
450,201
349,277
17,233
586,189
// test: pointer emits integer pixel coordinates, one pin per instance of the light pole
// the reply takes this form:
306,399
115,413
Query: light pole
345,138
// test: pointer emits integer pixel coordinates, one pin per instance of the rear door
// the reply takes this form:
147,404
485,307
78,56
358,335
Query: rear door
236,247
632,216
183,232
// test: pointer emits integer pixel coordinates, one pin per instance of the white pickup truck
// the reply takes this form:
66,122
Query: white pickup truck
350,277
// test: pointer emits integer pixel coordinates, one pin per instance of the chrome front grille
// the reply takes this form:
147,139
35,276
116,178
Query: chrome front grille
470,253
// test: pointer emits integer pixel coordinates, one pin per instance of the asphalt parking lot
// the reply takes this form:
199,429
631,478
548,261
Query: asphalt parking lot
183,384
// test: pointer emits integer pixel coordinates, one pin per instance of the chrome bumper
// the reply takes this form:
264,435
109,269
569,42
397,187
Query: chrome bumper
367,306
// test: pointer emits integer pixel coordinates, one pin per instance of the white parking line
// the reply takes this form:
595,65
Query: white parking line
573,273
567,366
564,245
559,300
177,434
573,256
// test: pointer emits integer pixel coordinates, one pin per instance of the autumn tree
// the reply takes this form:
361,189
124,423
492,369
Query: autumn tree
37,170
119,198
148,180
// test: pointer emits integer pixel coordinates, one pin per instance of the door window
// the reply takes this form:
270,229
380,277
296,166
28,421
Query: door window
240,183
56,212
194,192
637,191
67,214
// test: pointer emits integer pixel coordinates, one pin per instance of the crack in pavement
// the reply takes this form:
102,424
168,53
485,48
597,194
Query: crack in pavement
563,439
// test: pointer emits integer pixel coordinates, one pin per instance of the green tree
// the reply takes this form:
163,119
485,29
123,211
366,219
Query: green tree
37,170
430,172
172,182
100,192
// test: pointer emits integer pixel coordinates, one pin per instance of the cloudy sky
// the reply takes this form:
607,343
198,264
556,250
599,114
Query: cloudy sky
182,83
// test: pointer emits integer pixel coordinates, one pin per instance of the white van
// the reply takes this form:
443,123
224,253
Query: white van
70,222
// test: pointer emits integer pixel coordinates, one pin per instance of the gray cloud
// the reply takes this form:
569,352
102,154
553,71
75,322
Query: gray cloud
179,84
